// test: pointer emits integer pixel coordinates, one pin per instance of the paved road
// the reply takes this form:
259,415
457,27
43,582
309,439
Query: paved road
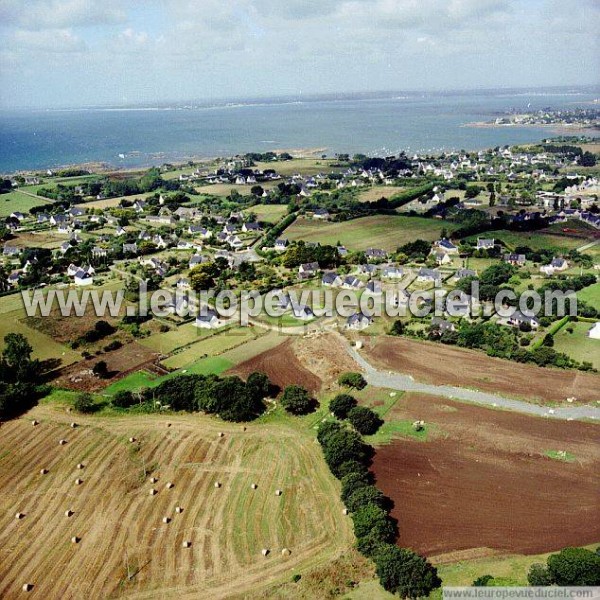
397,381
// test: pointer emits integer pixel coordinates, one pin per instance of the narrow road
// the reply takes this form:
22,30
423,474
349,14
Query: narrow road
405,383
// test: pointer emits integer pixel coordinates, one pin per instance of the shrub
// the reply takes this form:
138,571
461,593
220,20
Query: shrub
100,369
123,399
343,446
538,575
84,403
353,380
341,405
114,345
364,420
483,581
397,328
296,400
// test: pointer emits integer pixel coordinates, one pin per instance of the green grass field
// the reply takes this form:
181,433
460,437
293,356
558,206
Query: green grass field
380,231
210,346
535,240
18,201
270,213
577,345
591,295
167,342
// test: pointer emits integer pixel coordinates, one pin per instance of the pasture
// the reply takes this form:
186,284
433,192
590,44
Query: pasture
123,546
380,231
591,295
20,202
536,240
578,345
269,213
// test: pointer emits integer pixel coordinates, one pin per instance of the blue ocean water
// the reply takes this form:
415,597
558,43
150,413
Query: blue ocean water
377,125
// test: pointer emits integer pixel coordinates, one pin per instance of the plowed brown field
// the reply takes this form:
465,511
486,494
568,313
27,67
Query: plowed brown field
484,481
430,362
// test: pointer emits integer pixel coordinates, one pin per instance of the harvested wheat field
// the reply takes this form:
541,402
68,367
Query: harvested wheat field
122,540
483,480
313,361
439,364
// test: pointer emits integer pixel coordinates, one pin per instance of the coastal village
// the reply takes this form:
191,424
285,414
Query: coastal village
275,223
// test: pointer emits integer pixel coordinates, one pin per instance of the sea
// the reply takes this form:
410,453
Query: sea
377,124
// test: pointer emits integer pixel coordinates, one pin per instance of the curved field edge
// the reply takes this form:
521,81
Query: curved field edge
120,524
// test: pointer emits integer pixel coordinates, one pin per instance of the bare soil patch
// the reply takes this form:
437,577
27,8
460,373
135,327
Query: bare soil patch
446,365
282,367
486,483
131,357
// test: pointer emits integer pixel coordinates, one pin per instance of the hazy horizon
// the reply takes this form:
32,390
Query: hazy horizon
69,53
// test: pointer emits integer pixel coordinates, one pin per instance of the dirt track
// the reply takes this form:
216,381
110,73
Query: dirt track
446,365
120,524
483,481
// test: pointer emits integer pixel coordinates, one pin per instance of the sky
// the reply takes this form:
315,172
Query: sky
90,52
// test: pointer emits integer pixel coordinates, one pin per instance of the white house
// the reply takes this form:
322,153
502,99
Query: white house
83,277
358,321
208,319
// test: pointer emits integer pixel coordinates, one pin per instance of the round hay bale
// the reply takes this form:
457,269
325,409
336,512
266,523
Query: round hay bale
68,512
80,465
19,515
69,410
217,484
75,540
78,481
168,424
221,434
153,479
265,551
27,587
132,439
153,492
62,442
187,544
73,425
43,471
253,486
178,510
34,423
285,552
345,511
169,485
166,519
278,492
244,428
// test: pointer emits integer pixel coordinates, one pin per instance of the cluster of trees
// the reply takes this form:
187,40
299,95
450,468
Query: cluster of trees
297,254
352,380
19,376
570,567
362,418
415,251
400,570
100,330
230,398
491,280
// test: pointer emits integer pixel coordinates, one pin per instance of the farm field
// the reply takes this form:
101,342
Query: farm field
373,193
380,231
167,342
446,365
538,240
270,213
591,295
120,527
210,346
577,344
39,239
486,481
44,347
20,202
